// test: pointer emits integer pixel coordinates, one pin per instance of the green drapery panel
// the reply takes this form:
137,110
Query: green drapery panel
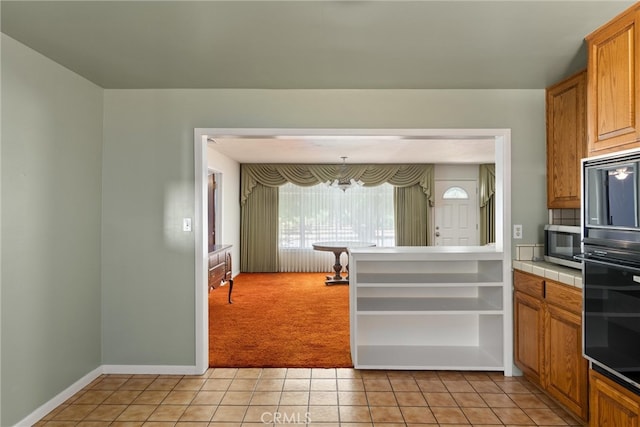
411,216
259,231
487,203
259,199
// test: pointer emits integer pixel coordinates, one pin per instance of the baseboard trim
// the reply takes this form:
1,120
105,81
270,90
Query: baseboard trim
74,388
151,369
59,399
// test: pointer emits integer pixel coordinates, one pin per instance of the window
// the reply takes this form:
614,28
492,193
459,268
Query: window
320,213
455,193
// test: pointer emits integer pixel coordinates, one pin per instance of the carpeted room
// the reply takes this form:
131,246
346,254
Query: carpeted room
280,320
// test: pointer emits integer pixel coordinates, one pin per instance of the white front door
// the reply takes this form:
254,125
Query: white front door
456,213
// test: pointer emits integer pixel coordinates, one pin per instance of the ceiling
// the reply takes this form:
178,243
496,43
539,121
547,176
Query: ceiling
325,44
392,44
357,149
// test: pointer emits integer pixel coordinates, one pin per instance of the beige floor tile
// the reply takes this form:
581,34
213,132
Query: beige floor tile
454,386
386,414
298,373
208,398
270,384
352,414
243,384
324,384
163,384
74,412
469,400
236,398
545,416
418,414
265,398
167,413
92,397
274,373
410,398
260,413
199,413
249,373
323,398
123,397
348,373
513,387
481,416
449,415
528,400
190,384
294,398
323,373
440,399
217,384
151,397
373,384
105,413
352,398
137,383
487,386
498,400
323,414
224,373
350,384
179,398
404,384
431,386
297,384
137,413
229,413
381,398
514,416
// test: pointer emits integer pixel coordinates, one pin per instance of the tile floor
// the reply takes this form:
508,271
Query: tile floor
315,397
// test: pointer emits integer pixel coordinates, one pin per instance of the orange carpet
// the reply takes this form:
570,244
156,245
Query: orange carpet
280,320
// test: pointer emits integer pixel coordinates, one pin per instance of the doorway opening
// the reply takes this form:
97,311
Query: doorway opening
227,228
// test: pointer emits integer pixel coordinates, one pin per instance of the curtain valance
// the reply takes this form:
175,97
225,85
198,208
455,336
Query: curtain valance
275,175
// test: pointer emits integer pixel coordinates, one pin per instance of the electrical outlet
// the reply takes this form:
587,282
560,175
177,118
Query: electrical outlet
186,224
517,231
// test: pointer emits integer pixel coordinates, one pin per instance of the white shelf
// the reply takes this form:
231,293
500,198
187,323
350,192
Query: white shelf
428,308
430,305
429,357
420,279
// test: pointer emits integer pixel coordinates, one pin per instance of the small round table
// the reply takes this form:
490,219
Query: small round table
338,248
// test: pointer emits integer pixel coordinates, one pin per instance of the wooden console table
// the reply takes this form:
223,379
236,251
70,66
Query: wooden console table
338,248
220,268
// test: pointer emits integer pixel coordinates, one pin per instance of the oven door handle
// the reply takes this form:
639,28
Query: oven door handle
621,266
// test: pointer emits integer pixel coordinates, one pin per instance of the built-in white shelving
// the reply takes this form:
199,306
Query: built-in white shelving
428,308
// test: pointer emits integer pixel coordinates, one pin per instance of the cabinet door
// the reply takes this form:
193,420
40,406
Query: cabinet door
528,339
610,404
565,369
612,102
566,140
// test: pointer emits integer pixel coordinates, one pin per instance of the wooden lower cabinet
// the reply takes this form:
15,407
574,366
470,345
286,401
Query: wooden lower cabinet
611,405
548,339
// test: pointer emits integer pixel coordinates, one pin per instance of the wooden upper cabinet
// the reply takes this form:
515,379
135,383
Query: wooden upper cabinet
612,85
566,140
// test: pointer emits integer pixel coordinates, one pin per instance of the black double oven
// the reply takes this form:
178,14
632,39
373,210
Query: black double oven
611,266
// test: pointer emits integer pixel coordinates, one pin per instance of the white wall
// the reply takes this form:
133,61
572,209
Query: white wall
51,212
148,262
229,190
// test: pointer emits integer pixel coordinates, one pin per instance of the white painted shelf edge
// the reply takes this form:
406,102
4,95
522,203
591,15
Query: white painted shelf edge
428,357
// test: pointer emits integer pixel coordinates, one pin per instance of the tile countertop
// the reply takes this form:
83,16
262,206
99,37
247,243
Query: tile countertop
566,275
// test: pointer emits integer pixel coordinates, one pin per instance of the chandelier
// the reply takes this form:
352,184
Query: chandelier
342,181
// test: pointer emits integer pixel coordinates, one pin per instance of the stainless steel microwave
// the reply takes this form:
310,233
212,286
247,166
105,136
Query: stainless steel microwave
561,244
